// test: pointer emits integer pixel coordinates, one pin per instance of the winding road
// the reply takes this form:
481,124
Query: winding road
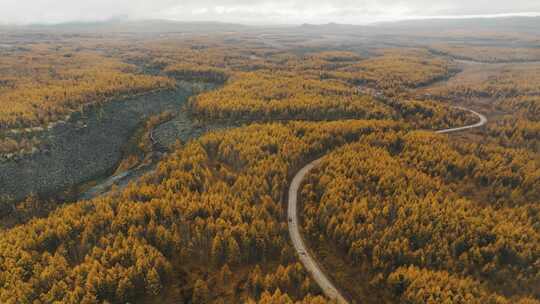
328,288
483,120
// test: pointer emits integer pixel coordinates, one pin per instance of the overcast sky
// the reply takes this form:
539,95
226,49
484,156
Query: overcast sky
255,11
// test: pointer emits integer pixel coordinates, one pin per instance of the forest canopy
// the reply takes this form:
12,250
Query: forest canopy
411,206
217,201
394,212
44,84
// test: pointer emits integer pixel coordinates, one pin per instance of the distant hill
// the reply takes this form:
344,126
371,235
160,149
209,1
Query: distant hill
140,26
530,25
426,27
499,31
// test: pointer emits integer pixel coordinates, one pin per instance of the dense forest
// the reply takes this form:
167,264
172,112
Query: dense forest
507,82
397,70
394,212
522,127
301,87
430,219
214,205
43,84
268,96
491,54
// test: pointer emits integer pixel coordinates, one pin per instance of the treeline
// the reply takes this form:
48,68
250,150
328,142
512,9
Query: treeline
417,286
48,84
336,56
399,206
499,176
430,114
527,107
197,73
214,204
286,96
487,53
512,93
521,127
510,82
213,54
512,131
395,71
262,84
271,96
317,62
265,84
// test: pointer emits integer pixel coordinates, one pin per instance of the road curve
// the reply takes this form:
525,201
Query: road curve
298,242
483,121
307,260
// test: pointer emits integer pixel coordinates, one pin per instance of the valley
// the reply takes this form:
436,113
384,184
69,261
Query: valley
215,163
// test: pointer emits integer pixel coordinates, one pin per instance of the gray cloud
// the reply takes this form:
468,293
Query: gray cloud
254,11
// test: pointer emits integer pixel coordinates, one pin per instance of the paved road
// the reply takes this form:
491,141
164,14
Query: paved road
294,230
483,121
294,227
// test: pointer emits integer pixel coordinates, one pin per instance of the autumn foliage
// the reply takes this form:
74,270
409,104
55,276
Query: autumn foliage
410,206
217,201
426,217
43,85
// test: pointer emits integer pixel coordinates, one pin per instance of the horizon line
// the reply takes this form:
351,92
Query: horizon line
377,22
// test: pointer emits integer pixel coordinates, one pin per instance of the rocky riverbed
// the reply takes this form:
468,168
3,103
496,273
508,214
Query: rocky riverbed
88,146
181,128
